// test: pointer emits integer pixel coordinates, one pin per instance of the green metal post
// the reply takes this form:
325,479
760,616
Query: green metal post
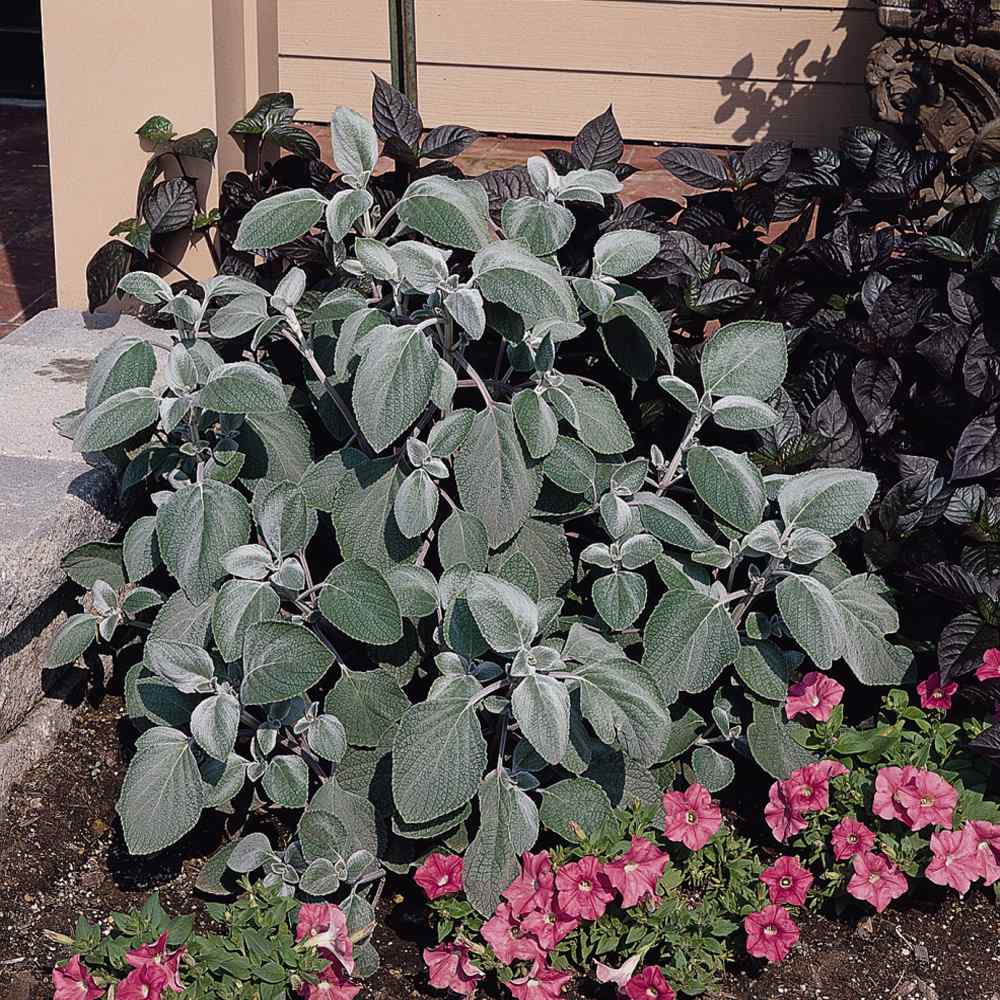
403,47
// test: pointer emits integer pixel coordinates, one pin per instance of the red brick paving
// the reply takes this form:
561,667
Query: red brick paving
27,262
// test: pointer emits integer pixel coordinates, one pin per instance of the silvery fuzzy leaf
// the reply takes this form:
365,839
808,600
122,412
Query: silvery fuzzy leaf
215,723
240,604
773,744
588,185
250,853
320,879
453,213
671,523
416,591
571,466
866,618
743,413
290,575
812,616
185,665
505,272
139,600
344,210
806,545
249,562
416,504
764,670
423,266
542,226
766,537
541,707
445,384
146,287
536,422
633,306
597,554
616,515
128,363
162,796
72,640
517,569
465,306
281,660
376,259
327,738
290,289
619,598
286,781
283,519
572,805
828,500
354,333
462,540
369,703
543,175
746,358
601,425
357,599
506,616
639,550
683,392
116,419
712,769
240,316
595,295
625,251
729,484
242,387
355,144
280,219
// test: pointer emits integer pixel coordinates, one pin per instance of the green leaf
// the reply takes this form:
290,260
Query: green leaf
746,358
393,382
806,546
465,306
812,616
369,703
281,660
240,604
128,363
376,259
416,591
495,483
286,781
506,616
277,446
542,226
828,500
541,708
243,387
867,617
94,561
712,769
195,528
423,267
763,668
328,738
358,600
355,144
773,743
215,723
462,539
280,219
508,826
453,213
671,523
620,598
156,129
283,518
244,313
625,251
438,758
601,425
344,209
72,640
536,422
689,640
506,272
743,413
571,466
729,484
116,419
449,433
574,803
162,795
416,504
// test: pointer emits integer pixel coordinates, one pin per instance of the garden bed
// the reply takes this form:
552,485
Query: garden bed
64,856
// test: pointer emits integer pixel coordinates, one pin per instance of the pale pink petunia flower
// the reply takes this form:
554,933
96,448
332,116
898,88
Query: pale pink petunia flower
928,800
876,880
987,841
782,815
440,875
582,889
449,967
850,837
649,985
324,926
636,872
934,694
771,933
549,925
692,817
989,669
619,976
503,934
787,881
956,860
145,983
889,781
157,954
816,695
73,981
542,983
532,888
332,985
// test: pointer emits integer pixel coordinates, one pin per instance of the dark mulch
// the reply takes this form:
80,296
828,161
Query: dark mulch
61,854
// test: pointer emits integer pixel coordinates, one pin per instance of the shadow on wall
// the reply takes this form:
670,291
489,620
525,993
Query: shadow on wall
802,98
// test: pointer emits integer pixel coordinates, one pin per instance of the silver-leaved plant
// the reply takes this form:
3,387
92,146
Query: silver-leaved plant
409,572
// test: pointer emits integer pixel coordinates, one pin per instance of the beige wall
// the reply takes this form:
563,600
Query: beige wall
719,72
109,65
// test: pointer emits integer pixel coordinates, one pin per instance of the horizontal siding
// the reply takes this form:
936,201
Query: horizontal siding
682,109
342,29
320,85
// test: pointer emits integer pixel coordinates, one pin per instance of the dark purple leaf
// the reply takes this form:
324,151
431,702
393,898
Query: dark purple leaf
445,141
296,140
766,161
502,185
695,167
170,205
833,421
946,580
599,144
720,296
978,451
106,268
202,145
253,122
562,159
962,644
899,309
858,145
394,116
873,383
988,744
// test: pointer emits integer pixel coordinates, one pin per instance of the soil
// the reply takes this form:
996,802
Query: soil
61,854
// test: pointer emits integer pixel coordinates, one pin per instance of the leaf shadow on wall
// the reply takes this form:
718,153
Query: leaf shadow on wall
802,94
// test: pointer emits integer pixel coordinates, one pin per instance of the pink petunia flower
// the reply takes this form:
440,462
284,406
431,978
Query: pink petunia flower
145,983
550,925
649,985
876,879
782,815
503,934
889,781
989,669
542,983
636,872
692,817
73,981
934,694
956,859
619,976
449,967
986,837
533,887
928,800
156,954
787,881
816,695
850,837
583,889
808,788
440,875
324,926
771,933
331,986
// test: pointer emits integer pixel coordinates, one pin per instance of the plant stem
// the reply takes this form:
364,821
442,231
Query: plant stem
480,385
668,476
